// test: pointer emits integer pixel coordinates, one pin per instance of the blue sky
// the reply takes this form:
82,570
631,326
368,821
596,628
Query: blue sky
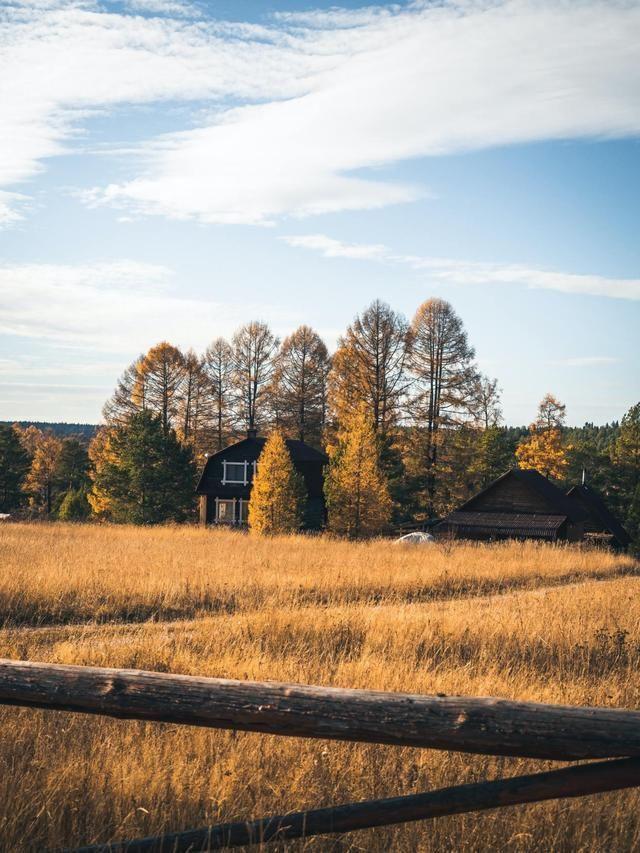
169,170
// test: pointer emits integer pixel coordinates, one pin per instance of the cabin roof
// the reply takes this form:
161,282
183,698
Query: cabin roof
251,447
506,523
299,451
590,499
555,498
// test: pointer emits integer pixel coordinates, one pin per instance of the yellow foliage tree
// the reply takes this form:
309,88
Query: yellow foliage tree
543,451
357,496
45,449
277,495
101,454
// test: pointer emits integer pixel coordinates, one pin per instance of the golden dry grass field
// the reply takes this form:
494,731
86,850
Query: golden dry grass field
554,624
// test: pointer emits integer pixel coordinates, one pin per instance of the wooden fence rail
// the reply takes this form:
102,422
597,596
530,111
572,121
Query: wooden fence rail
575,781
487,726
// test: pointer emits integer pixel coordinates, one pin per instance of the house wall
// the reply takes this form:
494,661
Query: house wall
211,485
575,531
510,495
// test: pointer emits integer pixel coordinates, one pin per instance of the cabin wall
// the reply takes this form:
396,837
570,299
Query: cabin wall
204,499
575,531
510,495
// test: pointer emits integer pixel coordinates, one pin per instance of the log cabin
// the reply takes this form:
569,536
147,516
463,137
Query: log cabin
224,487
521,504
601,526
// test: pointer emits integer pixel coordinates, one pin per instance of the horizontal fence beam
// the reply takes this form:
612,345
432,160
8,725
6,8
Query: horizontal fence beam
487,726
569,782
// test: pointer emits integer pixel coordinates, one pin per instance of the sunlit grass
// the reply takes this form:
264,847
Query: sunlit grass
520,621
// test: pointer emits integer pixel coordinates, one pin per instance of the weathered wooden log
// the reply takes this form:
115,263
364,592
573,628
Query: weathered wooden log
488,726
574,781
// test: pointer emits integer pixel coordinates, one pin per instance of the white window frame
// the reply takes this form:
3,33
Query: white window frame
225,479
236,513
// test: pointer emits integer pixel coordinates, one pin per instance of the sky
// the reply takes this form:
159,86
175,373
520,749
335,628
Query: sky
170,170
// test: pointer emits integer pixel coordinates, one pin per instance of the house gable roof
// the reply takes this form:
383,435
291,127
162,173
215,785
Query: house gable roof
299,451
587,497
555,498
251,447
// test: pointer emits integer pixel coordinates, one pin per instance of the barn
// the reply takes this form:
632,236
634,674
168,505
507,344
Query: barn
225,484
600,526
521,504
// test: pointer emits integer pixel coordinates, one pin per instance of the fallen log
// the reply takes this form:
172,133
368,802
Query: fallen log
577,781
476,725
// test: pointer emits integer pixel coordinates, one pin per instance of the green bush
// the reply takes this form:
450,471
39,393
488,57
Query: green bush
74,506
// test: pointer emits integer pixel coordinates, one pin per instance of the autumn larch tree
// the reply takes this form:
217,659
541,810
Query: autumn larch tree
276,504
254,350
300,385
142,474
154,382
445,378
162,374
129,395
358,501
218,366
369,366
39,484
551,413
195,407
486,402
543,449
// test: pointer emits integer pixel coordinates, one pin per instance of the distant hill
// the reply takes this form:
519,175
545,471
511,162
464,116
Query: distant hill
63,430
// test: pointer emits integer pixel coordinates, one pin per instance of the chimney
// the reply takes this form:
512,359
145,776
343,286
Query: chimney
252,433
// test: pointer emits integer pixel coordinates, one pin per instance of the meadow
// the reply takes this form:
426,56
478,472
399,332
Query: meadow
522,621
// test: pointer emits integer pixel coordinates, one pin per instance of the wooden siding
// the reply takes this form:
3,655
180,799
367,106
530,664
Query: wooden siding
509,495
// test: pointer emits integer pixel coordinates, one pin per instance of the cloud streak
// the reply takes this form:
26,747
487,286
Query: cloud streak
449,271
303,111
115,307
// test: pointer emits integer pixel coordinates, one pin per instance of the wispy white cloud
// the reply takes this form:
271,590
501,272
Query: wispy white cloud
590,361
422,80
316,98
60,61
332,248
449,271
12,206
171,8
118,307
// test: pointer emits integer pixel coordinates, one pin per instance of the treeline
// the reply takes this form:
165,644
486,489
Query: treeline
62,429
434,418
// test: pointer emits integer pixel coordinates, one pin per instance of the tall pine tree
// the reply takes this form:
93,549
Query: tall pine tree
14,465
142,474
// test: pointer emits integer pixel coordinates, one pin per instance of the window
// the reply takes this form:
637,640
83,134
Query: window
244,512
225,511
232,511
237,473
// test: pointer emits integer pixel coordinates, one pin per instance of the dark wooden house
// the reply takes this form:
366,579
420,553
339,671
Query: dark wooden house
225,484
520,504
600,525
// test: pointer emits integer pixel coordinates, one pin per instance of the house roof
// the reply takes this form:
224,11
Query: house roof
299,451
506,523
599,512
555,498
252,446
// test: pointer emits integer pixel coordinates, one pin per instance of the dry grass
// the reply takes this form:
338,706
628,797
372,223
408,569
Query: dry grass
550,624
